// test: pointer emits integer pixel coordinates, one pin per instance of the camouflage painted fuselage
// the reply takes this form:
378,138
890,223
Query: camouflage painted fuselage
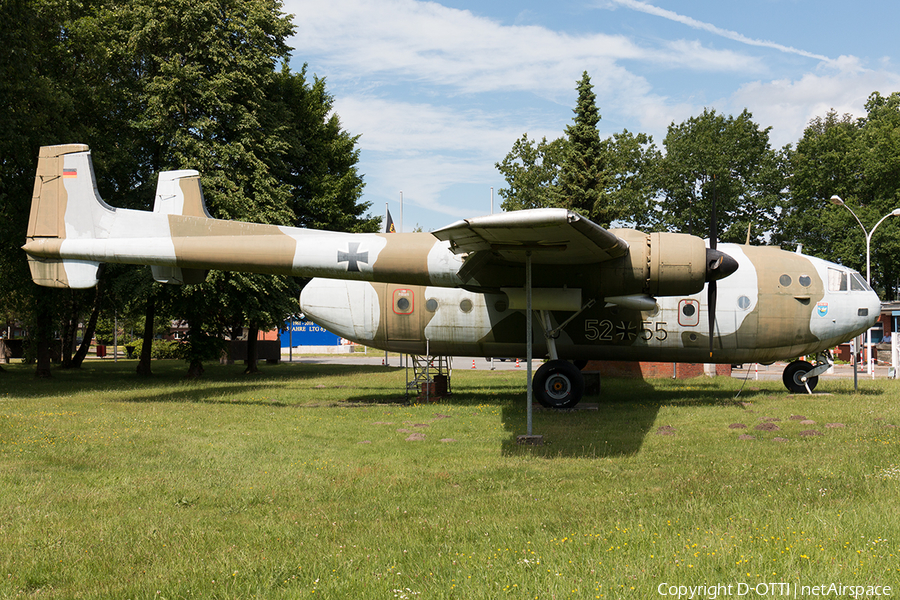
777,305
460,290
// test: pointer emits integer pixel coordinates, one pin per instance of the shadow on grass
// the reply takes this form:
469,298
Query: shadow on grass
616,423
168,383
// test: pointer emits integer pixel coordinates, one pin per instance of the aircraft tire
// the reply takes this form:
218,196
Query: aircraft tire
792,374
558,384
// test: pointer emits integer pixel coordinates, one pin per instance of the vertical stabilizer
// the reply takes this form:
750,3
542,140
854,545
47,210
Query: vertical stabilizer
65,204
179,193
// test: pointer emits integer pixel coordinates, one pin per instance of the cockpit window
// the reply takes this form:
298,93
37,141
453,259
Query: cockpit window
857,283
837,280
841,281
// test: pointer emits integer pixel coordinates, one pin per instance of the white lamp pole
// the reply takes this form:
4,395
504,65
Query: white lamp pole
894,213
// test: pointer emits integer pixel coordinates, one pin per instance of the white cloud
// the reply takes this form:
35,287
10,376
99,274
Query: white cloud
425,149
787,105
430,43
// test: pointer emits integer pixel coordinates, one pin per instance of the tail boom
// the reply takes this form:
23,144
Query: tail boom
71,231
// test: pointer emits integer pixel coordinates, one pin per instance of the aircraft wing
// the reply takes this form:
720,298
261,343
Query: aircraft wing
553,235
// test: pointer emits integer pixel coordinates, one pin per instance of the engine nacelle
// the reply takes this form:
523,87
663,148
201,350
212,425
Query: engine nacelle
677,264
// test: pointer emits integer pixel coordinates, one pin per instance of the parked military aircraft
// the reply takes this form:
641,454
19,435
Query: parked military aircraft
467,289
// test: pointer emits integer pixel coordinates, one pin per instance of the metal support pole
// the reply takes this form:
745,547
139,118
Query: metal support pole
528,341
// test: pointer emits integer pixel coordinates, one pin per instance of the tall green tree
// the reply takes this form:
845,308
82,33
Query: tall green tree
821,166
633,160
584,174
857,160
319,161
152,86
608,180
726,157
42,98
532,173
203,69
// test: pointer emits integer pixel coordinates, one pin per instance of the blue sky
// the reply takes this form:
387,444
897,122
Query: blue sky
439,91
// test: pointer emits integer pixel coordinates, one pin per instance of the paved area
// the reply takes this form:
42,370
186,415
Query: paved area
755,372
775,370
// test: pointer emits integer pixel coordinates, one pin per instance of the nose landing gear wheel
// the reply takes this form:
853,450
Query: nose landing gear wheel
792,377
558,384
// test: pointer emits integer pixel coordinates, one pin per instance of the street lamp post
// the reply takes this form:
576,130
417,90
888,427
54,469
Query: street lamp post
894,213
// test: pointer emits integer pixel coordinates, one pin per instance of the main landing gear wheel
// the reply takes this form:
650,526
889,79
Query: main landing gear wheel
558,384
792,377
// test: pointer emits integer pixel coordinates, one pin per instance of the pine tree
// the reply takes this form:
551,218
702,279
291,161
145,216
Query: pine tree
584,176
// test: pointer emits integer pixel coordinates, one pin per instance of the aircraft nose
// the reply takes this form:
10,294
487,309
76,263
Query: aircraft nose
873,304
719,265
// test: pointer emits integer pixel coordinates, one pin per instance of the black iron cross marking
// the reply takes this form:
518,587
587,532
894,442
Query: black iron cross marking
352,256
626,330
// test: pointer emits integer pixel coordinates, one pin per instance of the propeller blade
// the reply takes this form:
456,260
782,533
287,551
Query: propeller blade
713,219
712,267
711,301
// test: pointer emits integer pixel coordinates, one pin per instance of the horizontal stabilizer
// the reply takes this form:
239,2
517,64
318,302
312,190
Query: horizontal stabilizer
76,274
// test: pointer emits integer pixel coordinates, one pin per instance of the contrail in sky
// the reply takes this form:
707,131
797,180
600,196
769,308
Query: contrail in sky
731,35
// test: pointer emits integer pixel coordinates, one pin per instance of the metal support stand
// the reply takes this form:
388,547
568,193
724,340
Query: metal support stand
529,438
528,342
431,375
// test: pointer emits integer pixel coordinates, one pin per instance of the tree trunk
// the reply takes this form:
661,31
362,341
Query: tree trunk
195,369
70,328
80,355
197,346
143,368
252,349
43,334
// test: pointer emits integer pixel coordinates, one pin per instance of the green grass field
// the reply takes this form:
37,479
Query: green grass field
319,481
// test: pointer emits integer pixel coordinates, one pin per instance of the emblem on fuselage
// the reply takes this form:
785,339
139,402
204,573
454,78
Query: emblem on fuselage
822,308
352,257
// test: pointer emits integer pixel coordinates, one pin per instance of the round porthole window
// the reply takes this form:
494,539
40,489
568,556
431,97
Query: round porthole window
403,305
500,305
743,302
431,305
805,280
688,309
785,280
465,305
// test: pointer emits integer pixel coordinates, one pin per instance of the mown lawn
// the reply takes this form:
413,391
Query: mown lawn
320,481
